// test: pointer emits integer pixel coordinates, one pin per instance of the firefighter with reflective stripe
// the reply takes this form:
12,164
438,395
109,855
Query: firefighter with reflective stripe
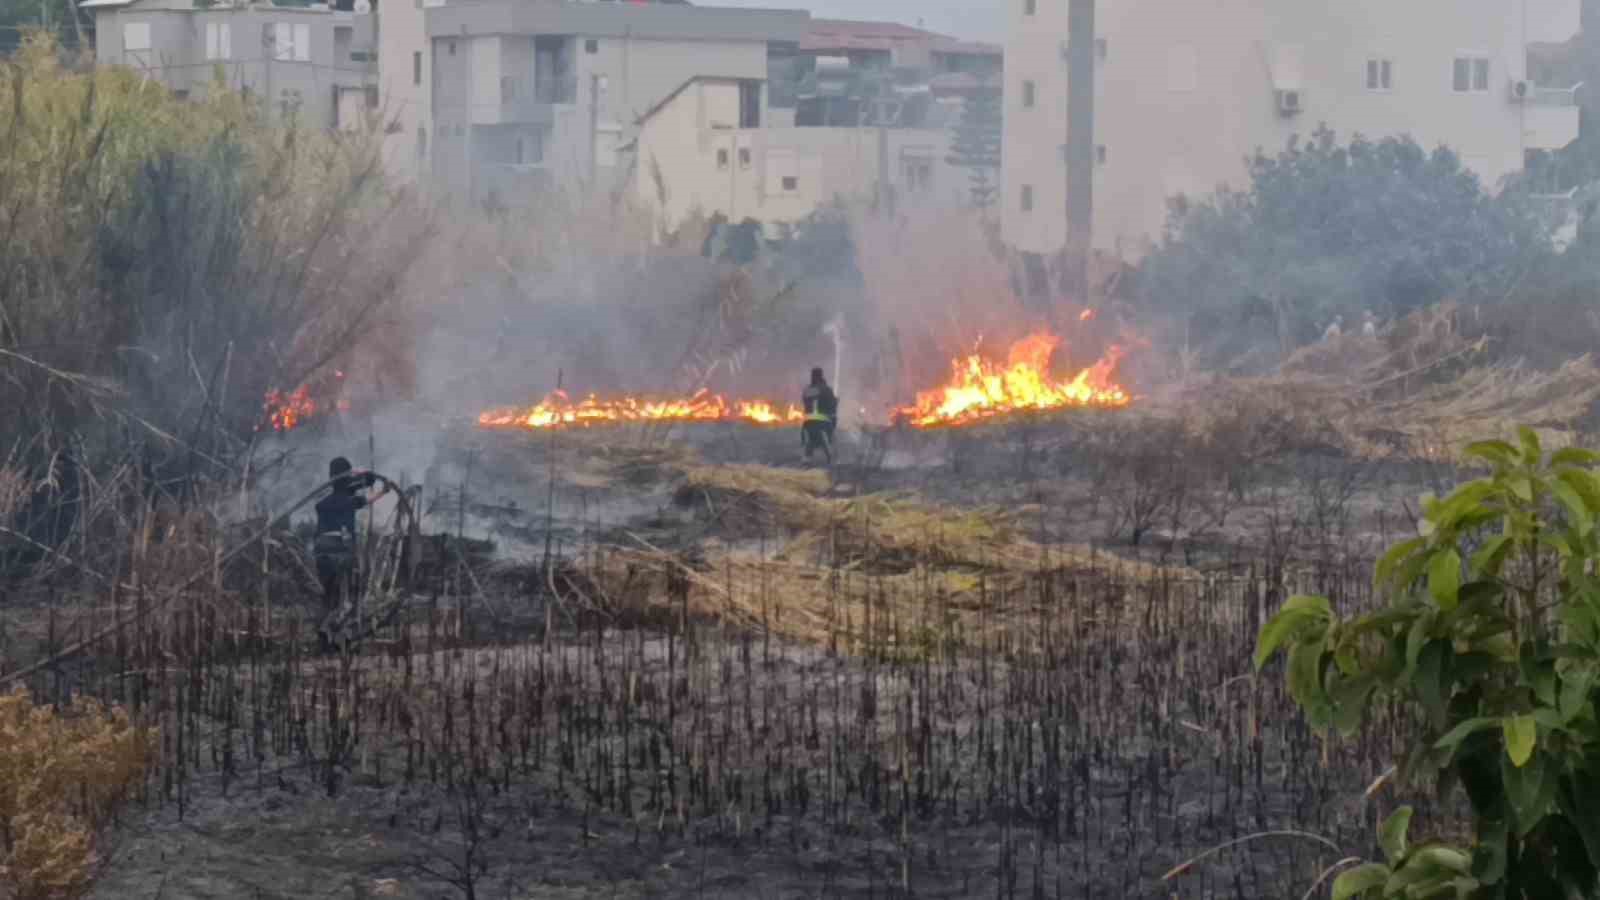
822,416
335,543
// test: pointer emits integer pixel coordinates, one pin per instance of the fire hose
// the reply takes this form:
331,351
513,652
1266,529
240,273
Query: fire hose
405,508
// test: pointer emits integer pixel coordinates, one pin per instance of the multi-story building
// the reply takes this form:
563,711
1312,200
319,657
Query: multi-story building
506,96
1186,90
856,110
316,63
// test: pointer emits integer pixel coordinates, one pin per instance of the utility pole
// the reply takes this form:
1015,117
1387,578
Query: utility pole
1080,147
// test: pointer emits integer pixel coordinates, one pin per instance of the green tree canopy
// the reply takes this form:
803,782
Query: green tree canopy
1328,229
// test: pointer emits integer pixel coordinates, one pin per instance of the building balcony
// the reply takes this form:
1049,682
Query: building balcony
524,101
1551,118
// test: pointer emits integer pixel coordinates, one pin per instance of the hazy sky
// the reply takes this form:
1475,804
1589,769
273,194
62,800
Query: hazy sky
977,19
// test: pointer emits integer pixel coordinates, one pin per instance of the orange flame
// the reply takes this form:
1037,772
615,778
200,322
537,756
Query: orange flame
704,406
982,389
287,411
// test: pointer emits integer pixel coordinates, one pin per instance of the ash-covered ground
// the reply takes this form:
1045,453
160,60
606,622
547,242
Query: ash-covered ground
677,758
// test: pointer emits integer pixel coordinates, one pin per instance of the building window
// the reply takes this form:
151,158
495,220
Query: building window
591,46
136,36
371,92
1471,75
1101,49
722,159
1028,92
1029,7
1027,198
291,42
219,40
916,172
749,104
744,157
416,67
452,47
1100,154
791,184
1380,75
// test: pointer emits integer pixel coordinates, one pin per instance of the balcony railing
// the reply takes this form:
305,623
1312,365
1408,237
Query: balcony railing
1558,97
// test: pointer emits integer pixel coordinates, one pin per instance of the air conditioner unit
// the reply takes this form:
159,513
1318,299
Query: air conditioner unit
1521,89
1289,102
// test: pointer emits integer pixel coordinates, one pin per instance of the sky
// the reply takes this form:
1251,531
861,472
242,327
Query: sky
973,19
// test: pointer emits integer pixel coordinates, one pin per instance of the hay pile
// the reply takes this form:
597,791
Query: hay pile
884,572
1425,387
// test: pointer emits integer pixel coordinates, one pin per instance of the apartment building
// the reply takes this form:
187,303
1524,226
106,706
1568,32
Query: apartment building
506,97
315,63
696,152
846,73
1186,90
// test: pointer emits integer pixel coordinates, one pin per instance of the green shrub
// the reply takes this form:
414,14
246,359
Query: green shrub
1492,632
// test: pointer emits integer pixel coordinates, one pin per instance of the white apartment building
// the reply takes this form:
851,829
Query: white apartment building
696,153
1186,90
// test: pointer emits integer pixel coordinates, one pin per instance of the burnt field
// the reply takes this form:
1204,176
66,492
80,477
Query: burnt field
1011,661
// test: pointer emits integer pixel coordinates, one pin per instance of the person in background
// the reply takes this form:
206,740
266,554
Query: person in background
822,416
335,543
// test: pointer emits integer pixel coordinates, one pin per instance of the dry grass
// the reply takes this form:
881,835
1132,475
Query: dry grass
880,570
63,777
1426,387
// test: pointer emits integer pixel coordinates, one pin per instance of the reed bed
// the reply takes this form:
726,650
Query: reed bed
1110,731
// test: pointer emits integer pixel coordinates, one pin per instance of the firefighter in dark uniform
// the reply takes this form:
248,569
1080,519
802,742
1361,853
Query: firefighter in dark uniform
822,416
335,543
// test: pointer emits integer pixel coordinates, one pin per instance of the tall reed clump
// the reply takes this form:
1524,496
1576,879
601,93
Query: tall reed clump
63,778
163,263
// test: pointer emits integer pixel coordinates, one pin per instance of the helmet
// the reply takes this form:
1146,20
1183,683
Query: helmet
338,467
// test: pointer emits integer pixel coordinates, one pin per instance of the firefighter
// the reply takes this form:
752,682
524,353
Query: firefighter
335,543
822,416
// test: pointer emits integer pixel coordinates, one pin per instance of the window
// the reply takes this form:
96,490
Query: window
291,42
219,40
1027,198
722,159
591,46
1100,154
1029,7
916,172
1380,75
1028,94
749,104
1101,48
744,157
1471,75
371,92
136,36
452,47
791,184
416,67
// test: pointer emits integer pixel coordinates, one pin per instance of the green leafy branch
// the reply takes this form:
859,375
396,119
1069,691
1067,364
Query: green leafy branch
1493,633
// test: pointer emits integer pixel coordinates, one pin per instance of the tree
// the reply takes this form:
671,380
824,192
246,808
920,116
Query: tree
1492,635
1328,229
975,142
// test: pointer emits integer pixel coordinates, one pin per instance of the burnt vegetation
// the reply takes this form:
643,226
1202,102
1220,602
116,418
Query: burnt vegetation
1009,661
